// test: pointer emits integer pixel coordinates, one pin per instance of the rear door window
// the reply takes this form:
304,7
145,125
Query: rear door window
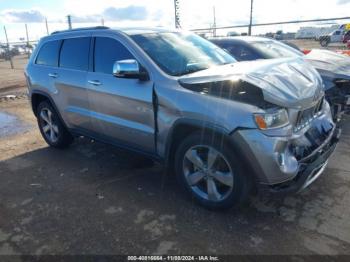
75,53
48,54
107,52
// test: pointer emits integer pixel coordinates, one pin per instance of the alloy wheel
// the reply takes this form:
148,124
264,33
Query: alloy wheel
208,173
48,125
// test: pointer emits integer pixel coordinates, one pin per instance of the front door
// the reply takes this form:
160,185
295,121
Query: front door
121,108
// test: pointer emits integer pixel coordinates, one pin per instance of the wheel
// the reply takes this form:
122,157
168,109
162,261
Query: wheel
51,127
324,42
208,169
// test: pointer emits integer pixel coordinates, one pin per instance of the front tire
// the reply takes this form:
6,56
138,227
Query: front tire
209,170
51,126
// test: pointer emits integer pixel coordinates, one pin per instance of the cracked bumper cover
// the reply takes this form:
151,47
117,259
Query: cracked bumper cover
310,169
286,175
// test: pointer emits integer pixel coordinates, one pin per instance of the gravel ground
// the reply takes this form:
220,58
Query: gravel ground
96,199
92,199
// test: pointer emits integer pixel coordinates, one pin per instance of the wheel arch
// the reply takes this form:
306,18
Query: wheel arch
37,97
185,127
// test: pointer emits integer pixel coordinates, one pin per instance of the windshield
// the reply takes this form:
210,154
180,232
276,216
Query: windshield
182,53
272,49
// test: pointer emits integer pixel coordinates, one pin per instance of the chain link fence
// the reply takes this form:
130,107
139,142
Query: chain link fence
306,34
14,55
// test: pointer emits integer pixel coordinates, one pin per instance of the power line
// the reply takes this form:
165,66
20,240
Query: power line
47,26
251,18
277,23
214,24
177,13
69,20
8,49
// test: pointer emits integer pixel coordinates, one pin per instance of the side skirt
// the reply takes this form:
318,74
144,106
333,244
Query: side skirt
106,140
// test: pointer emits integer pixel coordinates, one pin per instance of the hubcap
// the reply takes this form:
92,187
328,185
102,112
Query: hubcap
208,173
49,127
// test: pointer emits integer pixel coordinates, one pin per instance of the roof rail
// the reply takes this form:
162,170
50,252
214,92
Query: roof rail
80,29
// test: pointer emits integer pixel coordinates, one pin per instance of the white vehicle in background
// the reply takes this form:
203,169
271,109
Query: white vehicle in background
21,50
334,37
314,32
2,51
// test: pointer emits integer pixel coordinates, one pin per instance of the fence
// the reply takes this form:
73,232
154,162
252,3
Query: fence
21,47
13,52
10,50
213,30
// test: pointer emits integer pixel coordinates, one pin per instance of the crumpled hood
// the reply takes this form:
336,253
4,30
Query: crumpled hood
287,82
336,65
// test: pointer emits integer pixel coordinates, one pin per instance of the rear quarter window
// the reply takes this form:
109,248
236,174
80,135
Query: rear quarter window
49,53
75,53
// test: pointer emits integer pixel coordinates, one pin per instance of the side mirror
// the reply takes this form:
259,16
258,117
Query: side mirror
129,69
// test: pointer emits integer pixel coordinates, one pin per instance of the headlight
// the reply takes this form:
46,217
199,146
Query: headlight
272,120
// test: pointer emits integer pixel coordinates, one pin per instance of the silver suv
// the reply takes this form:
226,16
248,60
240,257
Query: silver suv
225,128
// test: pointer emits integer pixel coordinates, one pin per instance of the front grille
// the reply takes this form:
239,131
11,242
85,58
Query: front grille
306,116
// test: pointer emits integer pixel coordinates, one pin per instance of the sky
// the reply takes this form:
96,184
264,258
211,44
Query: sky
135,13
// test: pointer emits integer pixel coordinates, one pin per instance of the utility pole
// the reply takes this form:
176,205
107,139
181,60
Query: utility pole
27,41
69,20
102,22
251,18
177,13
214,23
47,26
8,48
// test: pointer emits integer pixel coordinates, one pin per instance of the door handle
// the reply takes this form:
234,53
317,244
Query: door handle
94,82
53,75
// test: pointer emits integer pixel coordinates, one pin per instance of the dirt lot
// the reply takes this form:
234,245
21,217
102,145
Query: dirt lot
94,199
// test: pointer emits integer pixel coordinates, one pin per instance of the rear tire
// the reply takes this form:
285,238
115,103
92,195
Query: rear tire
211,173
51,126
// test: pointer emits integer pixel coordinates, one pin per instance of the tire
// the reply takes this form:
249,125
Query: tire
51,126
324,42
232,186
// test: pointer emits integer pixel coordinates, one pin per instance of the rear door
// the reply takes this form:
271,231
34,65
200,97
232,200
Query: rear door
41,75
121,108
70,82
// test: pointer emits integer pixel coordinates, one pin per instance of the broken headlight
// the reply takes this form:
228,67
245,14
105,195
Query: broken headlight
275,119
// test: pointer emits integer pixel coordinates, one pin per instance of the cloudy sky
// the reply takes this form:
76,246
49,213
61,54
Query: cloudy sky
194,13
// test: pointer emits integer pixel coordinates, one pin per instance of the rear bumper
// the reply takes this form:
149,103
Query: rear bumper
310,169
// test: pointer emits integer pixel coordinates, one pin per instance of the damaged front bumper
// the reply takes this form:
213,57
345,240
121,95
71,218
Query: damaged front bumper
284,164
311,167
